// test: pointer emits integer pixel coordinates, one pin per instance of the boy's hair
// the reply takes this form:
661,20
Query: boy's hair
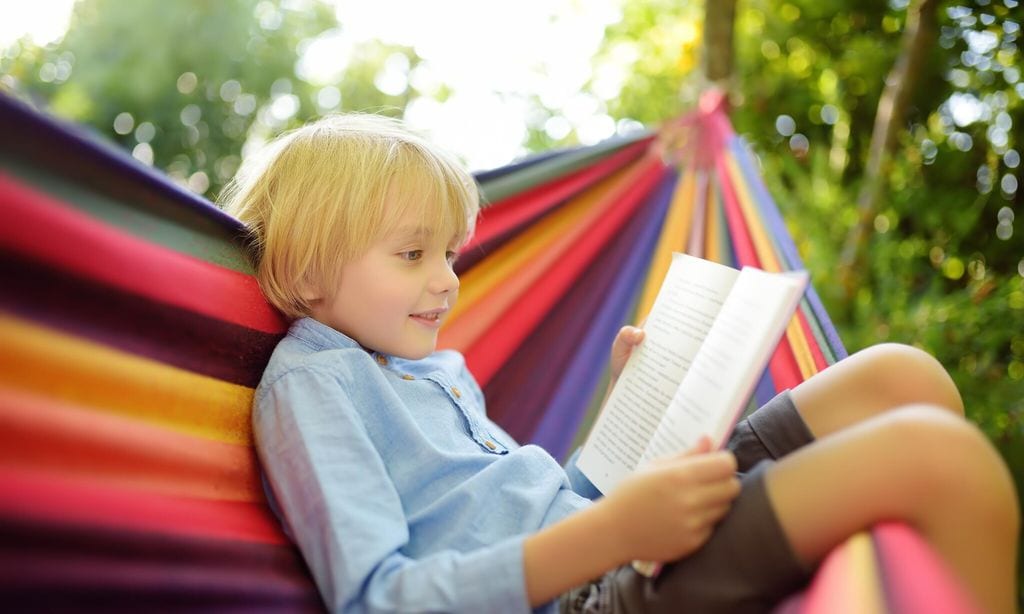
319,196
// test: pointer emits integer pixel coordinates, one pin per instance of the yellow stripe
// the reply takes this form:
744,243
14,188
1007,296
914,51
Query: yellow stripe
867,587
476,283
713,248
762,243
67,368
798,342
674,234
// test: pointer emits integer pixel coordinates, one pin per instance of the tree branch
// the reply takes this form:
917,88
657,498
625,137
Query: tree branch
918,38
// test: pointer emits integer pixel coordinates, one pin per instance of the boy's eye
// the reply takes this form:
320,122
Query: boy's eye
412,255
451,256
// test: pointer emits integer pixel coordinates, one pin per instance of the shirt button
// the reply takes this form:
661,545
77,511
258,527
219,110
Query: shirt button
382,360
456,392
408,378
490,444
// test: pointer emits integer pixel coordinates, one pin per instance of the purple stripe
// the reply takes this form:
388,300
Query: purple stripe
47,141
52,566
132,323
579,380
520,392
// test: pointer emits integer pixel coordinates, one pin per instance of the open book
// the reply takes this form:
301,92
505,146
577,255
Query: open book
709,337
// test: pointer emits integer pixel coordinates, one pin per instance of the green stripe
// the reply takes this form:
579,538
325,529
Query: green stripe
542,172
157,220
816,331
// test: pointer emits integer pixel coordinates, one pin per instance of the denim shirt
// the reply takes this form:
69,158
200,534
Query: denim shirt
399,491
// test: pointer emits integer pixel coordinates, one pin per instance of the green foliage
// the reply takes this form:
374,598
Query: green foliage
185,85
662,40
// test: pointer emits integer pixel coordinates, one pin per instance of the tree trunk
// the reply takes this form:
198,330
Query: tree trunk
918,38
719,23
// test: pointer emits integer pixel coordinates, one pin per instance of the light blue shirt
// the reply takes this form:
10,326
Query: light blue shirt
399,491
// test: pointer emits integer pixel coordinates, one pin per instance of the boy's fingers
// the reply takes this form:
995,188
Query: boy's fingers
631,335
713,514
709,466
720,492
702,446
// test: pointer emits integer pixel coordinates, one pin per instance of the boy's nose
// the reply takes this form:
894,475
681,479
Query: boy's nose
445,279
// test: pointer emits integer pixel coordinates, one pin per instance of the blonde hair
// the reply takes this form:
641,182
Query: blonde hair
319,196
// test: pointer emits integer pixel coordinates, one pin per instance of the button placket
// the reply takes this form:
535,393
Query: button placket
476,430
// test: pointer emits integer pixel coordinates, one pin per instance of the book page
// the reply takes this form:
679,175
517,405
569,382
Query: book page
731,360
682,314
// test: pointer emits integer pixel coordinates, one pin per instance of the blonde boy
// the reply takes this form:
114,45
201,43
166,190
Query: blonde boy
402,495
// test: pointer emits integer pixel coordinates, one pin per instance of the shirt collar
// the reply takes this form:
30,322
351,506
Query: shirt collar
319,335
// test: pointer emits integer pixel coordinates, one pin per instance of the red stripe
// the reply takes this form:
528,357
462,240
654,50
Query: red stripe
916,578
783,365
509,213
62,501
41,227
491,351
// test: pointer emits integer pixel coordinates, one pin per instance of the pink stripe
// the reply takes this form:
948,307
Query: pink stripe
37,225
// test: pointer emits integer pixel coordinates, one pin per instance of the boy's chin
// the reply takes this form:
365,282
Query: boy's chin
416,353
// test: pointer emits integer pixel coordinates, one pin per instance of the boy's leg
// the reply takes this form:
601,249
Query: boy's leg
920,465
863,385
873,381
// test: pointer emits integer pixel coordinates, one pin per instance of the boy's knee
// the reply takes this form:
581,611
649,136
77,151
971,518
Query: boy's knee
908,370
951,462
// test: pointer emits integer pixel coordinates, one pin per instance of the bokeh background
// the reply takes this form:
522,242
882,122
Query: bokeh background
889,132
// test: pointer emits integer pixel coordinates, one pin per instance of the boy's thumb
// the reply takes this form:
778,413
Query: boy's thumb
702,446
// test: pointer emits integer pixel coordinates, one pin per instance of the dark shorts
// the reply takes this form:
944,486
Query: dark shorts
746,566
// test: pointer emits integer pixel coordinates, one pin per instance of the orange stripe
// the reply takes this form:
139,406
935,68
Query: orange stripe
503,277
44,435
64,367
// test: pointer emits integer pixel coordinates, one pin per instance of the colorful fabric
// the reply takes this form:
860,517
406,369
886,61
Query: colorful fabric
132,334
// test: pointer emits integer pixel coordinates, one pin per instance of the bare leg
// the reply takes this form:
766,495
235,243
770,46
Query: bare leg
921,465
873,381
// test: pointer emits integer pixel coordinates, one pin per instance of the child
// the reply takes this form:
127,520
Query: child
383,467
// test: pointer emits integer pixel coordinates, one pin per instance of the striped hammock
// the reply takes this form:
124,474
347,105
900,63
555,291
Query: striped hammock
132,333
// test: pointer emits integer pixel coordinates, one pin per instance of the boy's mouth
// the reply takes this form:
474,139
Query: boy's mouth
430,318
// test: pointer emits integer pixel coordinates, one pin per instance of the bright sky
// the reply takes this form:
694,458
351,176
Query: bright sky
493,54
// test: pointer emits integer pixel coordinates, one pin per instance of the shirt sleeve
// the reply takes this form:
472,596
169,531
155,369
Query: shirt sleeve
339,505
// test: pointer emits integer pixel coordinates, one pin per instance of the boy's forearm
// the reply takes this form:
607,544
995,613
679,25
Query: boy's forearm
569,553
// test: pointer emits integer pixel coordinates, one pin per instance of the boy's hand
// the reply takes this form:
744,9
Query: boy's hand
627,338
668,509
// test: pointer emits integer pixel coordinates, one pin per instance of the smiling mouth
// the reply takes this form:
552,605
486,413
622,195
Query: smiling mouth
429,318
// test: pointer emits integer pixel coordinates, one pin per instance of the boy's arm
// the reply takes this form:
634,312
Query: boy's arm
661,513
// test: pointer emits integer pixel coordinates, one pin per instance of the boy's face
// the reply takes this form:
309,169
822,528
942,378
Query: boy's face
395,297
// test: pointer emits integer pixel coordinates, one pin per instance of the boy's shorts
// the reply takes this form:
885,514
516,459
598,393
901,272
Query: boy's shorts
746,566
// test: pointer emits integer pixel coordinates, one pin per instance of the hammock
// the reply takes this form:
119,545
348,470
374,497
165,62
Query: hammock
132,333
